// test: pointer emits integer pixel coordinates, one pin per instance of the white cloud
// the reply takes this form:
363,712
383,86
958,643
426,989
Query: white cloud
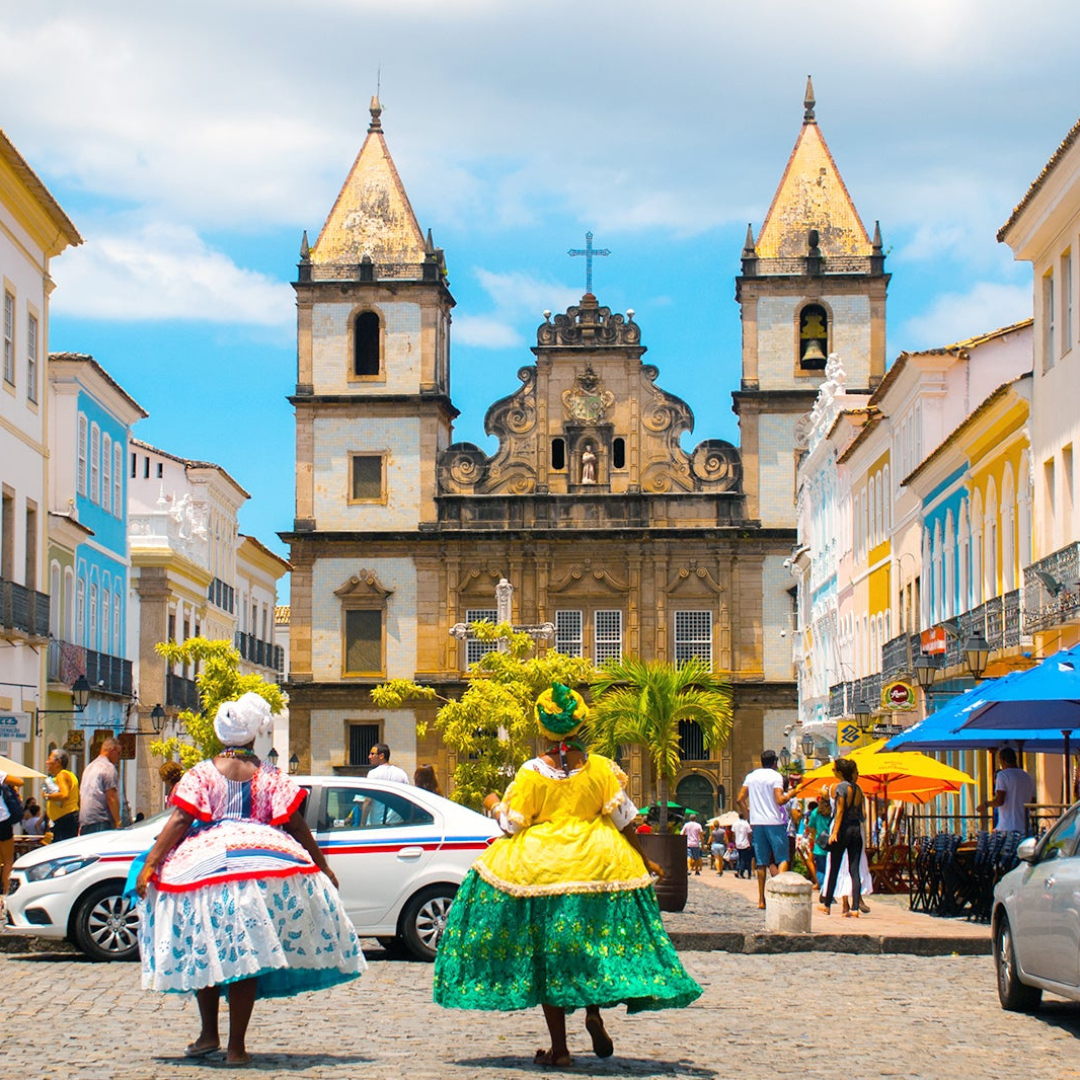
485,332
957,316
164,271
519,300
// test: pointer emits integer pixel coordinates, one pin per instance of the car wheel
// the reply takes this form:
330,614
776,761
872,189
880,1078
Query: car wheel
1012,993
106,926
424,919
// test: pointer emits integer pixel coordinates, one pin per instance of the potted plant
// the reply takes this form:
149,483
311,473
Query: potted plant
642,703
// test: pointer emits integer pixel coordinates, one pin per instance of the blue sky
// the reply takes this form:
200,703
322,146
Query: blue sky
192,143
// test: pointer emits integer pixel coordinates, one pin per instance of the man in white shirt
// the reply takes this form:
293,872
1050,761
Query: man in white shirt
1013,789
379,756
761,798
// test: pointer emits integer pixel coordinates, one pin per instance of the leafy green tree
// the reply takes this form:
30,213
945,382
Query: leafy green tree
491,727
642,702
219,679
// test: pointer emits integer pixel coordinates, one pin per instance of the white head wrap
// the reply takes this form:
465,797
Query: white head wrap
238,722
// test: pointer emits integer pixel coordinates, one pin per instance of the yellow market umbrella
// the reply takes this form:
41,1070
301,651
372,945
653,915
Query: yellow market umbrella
906,775
13,768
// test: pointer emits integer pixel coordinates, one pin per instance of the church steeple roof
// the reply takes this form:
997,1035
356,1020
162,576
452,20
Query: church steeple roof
372,215
812,195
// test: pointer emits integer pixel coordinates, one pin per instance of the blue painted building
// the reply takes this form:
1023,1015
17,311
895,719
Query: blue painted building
91,418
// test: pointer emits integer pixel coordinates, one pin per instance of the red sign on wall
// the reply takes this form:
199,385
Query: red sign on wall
932,641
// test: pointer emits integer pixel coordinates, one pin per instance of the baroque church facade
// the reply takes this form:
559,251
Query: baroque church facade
604,526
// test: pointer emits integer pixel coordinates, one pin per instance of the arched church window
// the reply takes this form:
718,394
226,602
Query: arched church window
558,454
366,344
618,453
813,337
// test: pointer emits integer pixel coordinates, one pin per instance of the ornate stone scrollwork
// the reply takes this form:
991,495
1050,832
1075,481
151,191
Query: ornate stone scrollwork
666,412
717,462
462,466
588,324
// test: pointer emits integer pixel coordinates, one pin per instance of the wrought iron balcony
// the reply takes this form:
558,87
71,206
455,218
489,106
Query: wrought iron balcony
106,674
23,610
182,693
222,595
1052,589
843,696
263,653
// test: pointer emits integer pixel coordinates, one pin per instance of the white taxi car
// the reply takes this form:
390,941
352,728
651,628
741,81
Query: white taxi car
399,854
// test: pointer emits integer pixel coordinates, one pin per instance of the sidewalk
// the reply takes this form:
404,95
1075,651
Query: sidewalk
722,914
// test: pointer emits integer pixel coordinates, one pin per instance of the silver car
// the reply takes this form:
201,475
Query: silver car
399,854
1036,919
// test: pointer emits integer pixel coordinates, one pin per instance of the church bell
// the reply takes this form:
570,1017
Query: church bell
813,352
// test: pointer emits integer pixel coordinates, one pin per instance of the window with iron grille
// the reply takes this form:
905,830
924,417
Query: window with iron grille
607,636
475,649
693,636
362,737
568,625
691,742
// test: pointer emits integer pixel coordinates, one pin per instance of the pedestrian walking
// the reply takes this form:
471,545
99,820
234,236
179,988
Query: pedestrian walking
561,912
10,807
846,834
238,898
763,798
743,847
62,805
693,832
99,800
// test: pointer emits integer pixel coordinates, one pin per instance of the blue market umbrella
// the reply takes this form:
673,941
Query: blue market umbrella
945,730
1045,697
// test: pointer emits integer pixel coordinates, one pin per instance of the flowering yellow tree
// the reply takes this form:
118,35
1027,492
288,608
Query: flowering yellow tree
491,726
219,679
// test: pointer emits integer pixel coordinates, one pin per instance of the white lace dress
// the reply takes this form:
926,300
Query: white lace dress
239,898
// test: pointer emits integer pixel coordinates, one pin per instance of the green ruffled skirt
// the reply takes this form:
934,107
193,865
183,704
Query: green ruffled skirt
502,952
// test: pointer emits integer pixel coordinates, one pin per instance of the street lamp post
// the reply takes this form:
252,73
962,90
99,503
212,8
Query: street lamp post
862,713
80,696
977,654
808,747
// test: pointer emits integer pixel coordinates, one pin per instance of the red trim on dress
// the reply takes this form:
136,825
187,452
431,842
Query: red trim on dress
301,794
182,804
248,876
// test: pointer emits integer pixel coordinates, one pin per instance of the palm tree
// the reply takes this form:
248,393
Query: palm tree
643,702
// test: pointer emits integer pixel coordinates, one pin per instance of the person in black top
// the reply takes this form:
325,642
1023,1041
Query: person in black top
846,835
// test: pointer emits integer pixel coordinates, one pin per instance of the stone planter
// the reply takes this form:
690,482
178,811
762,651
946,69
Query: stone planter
668,850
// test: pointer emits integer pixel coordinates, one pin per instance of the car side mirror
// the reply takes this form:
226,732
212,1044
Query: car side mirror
1025,852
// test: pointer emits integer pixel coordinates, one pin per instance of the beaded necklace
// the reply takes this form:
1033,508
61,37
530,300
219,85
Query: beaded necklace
241,752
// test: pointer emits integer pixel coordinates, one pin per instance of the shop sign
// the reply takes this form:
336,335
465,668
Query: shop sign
848,735
75,741
932,641
15,725
127,745
898,696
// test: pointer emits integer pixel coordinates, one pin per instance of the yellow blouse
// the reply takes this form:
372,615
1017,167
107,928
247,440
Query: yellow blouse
567,842
66,800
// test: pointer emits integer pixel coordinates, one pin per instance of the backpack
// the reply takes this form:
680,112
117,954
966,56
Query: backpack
13,803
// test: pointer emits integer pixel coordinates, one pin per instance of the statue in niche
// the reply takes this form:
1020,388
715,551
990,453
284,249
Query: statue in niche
588,465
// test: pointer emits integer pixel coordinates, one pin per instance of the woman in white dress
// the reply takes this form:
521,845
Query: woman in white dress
237,895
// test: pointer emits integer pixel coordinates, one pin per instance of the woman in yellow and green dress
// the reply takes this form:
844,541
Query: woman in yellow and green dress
561,911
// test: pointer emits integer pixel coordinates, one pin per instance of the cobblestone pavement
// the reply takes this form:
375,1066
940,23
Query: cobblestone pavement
804,1015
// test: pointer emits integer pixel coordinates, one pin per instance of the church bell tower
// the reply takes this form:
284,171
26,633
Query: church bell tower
812,283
